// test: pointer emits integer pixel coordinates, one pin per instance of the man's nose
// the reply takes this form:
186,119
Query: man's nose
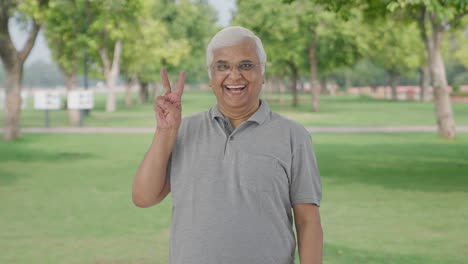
235,73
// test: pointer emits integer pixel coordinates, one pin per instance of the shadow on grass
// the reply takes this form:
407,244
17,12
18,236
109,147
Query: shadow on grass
7,177
20,152
430,167
24,154
340,254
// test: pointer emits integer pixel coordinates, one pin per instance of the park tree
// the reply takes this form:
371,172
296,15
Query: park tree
109,24
456,56
149,47
434,18
195,22
333,42
395,47
32,13
65,31
276,24
304,37
461,50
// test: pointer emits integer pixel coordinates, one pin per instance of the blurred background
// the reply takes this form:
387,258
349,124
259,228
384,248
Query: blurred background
381,85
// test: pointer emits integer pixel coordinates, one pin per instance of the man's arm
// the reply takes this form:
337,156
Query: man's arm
150,185
309,233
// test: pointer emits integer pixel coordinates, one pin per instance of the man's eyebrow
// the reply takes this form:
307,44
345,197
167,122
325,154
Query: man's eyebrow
226,62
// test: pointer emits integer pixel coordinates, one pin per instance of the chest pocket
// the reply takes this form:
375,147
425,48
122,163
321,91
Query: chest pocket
262,173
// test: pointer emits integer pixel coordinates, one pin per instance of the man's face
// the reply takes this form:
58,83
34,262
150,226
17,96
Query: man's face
236,76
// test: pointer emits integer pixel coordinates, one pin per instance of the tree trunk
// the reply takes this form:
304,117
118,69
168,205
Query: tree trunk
293,82
111,73
275,82
394,80
443,105
13,61
269,89
12,111
143,93
424,82
282,90
73,114
425,71
347,79
130,82
128,95
315,86
156,90
323,86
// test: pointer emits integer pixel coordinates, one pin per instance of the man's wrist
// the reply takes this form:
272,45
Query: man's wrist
166,131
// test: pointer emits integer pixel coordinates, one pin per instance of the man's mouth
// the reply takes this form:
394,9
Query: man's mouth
235,89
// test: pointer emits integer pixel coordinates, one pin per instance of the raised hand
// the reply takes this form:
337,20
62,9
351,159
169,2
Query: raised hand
168,106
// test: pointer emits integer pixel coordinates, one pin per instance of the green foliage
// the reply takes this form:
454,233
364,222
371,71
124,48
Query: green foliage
148,46
365,73
278,27
287,31
459,43
193,23
108,22
66,33
73,26
34,9
444,11
41,74
455,52
396,47
341,42
171,35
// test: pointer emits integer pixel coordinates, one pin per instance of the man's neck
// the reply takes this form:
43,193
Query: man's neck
237,117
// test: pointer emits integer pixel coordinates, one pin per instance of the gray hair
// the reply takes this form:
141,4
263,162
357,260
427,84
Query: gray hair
230,36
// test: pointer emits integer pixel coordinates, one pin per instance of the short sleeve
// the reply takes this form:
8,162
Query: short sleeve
306,184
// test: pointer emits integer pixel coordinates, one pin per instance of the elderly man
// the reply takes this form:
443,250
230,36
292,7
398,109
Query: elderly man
236,171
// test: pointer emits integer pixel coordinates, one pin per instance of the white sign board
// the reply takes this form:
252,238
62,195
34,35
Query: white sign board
83,99
46,100
24,99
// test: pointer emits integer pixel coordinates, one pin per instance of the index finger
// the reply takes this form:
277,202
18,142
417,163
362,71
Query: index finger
165,81
180,85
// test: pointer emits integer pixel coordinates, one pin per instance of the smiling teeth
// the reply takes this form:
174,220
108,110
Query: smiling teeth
235,86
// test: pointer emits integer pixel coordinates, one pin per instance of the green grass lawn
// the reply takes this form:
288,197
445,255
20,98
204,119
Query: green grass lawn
342,110
388,198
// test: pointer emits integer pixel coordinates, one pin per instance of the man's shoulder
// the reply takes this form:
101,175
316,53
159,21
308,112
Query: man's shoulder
195,117
285,123
194,121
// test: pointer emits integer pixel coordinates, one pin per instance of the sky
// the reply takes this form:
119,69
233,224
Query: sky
42,52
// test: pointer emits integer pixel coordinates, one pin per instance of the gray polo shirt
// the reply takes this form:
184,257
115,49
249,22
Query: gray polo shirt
233,189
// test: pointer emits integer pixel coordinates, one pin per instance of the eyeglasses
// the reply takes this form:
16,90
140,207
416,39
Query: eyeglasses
223,68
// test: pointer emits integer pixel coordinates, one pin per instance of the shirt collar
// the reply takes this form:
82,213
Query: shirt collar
258,117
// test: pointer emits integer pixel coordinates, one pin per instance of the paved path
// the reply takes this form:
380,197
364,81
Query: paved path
142,130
